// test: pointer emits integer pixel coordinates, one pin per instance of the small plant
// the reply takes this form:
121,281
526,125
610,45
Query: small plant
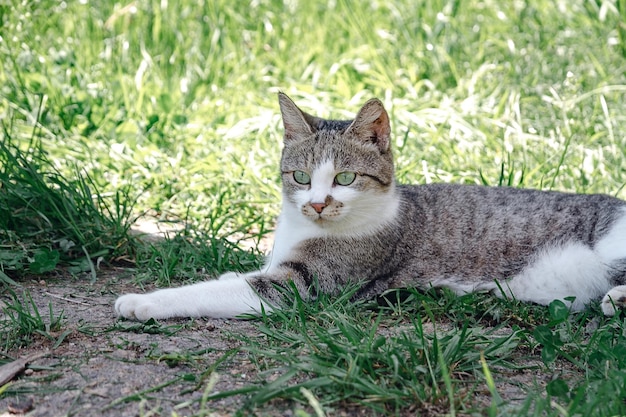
21,321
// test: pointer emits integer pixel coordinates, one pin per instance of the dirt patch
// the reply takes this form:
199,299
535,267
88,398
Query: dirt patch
104,365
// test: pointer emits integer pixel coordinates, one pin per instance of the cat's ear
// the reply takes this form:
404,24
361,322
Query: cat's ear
296,122
372,124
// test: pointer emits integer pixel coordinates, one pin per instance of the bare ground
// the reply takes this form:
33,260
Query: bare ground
109,367
102,363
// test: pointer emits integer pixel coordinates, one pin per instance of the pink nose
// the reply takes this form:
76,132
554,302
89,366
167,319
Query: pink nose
318,207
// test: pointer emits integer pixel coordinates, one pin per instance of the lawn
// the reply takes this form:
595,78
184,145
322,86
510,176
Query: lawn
112,112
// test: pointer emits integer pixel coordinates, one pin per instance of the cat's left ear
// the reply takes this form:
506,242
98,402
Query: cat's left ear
372,124
296,122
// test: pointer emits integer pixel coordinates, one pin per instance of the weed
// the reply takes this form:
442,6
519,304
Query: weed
21,321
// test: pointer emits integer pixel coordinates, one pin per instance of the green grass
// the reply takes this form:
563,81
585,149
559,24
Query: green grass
56,218
21,321
113,110
345,354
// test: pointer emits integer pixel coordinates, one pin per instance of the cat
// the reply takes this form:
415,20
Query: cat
345,220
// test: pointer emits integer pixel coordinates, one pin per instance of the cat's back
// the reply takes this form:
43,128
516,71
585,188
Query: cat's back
504,213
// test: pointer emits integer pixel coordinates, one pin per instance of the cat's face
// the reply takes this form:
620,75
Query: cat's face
337,174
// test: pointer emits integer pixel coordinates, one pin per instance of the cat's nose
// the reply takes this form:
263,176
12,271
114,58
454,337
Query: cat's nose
318,207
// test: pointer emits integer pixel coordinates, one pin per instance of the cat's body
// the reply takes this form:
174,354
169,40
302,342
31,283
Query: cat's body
344,220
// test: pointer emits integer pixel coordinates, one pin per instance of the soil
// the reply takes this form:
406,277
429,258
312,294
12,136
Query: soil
100,365
102,362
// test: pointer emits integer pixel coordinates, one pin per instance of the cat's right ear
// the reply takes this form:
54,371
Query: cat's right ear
372,124
295,121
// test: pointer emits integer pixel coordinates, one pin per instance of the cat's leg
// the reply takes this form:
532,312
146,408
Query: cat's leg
232,294
222,298
615,298
612,248
559,272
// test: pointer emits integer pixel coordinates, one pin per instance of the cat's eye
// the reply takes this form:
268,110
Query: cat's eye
345,178
301,177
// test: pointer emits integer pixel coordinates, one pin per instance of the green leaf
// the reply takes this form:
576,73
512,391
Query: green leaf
45,260
379,342
189,377
548,354
557,388
558,311
543,335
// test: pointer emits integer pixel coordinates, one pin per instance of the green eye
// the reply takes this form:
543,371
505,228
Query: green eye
345,178
301,177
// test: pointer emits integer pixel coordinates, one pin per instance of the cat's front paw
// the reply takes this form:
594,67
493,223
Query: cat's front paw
614,299
136,307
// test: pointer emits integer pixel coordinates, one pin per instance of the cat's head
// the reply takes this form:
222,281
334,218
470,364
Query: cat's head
338,174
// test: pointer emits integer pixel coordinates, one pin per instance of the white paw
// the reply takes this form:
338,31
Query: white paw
615,298
136,307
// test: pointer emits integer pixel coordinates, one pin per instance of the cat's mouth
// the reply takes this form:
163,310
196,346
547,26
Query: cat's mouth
325,220
323,212
320,218
328,215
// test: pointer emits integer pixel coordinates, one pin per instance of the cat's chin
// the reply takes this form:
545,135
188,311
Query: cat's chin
335,224
343,226
323,222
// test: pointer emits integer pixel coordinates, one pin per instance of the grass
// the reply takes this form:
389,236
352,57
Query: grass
111,111
344,356
56,217
21,322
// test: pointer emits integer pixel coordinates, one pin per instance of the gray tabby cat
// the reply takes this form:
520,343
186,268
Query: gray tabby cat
345,220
